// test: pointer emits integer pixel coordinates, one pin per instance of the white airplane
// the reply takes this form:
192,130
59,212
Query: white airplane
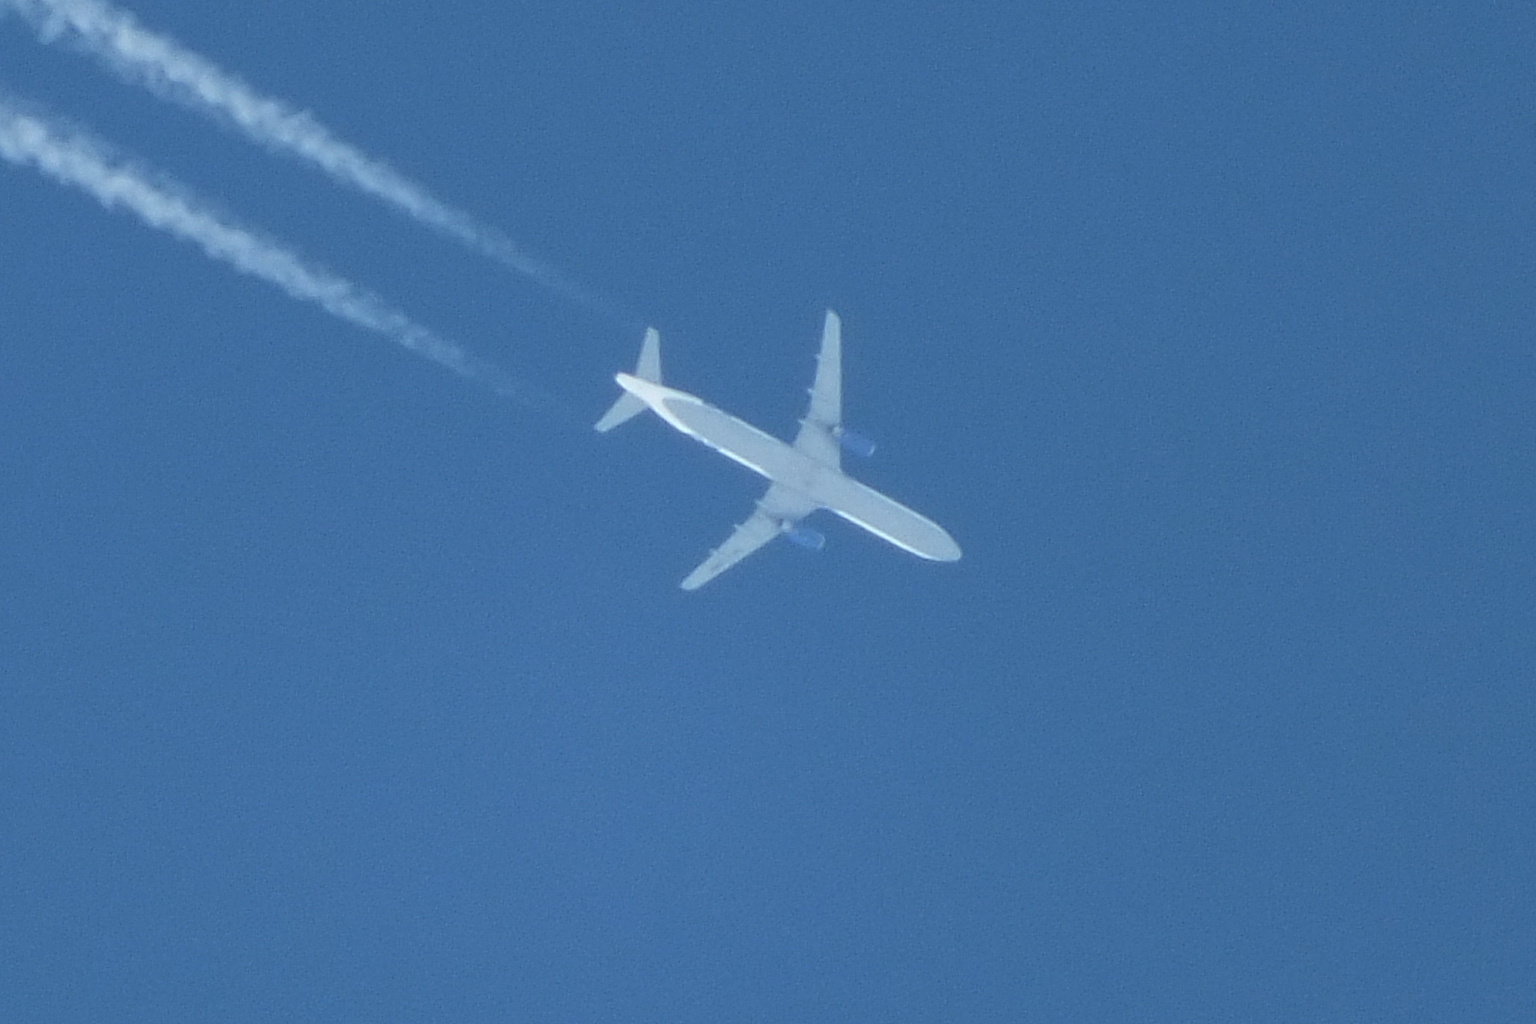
806,475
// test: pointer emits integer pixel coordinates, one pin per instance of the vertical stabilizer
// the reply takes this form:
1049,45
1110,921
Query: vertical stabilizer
648,368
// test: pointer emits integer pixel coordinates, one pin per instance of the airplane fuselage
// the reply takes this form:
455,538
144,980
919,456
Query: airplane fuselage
789,467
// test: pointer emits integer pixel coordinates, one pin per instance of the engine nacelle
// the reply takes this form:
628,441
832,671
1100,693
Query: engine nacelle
811,540
857,444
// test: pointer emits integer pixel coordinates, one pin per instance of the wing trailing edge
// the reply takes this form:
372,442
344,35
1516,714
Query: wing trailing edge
778,512
824,419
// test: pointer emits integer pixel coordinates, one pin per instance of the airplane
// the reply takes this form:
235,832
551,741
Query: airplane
805,476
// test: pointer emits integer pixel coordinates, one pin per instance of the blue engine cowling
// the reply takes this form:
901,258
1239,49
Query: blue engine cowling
858,444
811,540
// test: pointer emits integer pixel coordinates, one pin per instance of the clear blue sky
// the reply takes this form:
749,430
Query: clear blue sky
334,687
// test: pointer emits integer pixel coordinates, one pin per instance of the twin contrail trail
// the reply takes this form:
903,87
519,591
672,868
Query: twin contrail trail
70,157
173,72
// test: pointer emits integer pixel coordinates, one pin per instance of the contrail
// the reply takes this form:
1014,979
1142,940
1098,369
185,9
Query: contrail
72,158
173,72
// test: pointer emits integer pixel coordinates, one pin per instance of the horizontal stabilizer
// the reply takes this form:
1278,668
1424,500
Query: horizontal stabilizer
648,368
625,409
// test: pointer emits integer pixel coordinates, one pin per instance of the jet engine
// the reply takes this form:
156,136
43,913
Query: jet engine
857,444
811,540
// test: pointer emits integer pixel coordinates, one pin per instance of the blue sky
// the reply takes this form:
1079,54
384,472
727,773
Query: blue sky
335,686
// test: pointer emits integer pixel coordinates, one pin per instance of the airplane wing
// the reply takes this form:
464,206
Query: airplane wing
818,431
778,509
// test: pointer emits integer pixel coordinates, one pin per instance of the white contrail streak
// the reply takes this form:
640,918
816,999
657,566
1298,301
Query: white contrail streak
173,72
72,158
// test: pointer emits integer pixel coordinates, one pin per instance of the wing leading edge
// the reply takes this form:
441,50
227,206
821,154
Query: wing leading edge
779,509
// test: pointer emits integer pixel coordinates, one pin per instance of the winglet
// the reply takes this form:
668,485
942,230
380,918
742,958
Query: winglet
647,368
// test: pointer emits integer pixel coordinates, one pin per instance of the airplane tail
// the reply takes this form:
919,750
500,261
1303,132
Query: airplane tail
648,368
